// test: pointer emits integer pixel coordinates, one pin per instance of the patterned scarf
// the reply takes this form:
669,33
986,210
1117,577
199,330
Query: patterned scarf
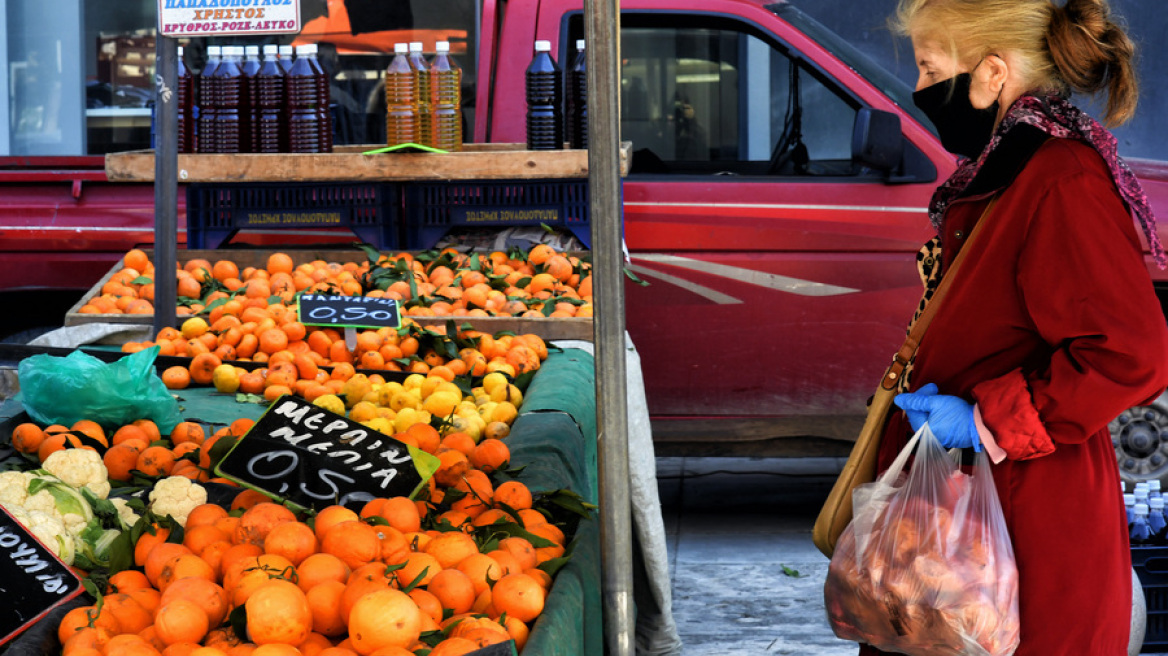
1057,117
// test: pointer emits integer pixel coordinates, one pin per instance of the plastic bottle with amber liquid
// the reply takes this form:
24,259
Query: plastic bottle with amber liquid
205,140
271,131
445,99
303,102
422,92
401,102
251,68
545,116
231,109
577,100
186,106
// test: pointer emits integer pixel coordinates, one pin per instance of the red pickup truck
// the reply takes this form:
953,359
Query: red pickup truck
775,204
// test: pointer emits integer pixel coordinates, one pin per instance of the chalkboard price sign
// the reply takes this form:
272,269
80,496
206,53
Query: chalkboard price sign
351,311
314,458
32,580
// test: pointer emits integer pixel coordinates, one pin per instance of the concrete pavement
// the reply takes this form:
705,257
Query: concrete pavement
746,577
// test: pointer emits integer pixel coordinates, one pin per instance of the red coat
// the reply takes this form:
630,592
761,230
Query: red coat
1053,329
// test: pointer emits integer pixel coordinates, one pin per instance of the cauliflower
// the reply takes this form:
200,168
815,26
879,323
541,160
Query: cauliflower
48,529
125,512
13,488
176,496
80,468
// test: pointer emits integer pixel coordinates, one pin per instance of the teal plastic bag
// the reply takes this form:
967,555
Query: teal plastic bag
56,390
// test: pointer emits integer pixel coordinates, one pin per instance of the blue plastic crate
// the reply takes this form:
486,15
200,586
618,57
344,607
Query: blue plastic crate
1151,565
216,212
432,209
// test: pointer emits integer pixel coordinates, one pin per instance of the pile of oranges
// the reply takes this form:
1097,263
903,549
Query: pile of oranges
338,583
138,447
539,283
451,573
311,362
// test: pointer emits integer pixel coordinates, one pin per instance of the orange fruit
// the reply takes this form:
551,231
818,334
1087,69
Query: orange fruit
354,542
188,431
319,568
155,461
385,618
158,557
181,620
27,437
519,596
454,590
208,595
324,601
120,459
293,540
451,548
401,513
181,566
258,521
513,495
202,367
330,516
481,570
278,612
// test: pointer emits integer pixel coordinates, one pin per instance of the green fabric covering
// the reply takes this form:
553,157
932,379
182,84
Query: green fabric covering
555,437
566,383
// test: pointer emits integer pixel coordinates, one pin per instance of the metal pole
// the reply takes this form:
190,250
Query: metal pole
165,180
601,32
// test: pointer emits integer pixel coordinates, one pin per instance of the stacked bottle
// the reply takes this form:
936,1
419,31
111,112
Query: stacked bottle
230,107
303,101
445,99
271,123
250,115
205,139
401,103
186,107
421,72
545,119
324,113
577,99
1156,520
285,53
1129,504
1140,531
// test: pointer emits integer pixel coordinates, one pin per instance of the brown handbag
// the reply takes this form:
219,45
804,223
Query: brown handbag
860,468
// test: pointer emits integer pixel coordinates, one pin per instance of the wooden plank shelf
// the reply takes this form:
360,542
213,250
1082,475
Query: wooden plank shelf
474,162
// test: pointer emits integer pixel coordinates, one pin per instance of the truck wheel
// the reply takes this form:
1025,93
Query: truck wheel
1140,436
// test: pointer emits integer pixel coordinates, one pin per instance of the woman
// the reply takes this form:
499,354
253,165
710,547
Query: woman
1052,328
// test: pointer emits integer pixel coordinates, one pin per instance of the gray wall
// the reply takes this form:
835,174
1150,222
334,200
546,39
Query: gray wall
863,23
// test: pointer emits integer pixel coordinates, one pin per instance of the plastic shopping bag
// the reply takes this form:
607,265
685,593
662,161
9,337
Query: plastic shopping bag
63,390
926,567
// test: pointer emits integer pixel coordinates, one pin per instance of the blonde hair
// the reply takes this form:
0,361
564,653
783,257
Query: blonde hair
1076,47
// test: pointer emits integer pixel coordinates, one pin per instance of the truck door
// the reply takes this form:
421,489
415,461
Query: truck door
780,269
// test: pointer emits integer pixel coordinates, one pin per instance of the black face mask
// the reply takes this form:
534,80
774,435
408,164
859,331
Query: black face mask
964,129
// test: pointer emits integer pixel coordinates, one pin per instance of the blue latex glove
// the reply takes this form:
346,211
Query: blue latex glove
949,417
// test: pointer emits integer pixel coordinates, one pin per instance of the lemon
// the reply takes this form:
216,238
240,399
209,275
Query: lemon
441,404
379,424
194,327
414,381
363,412
355,389
406,417
225,378
403,399
330,402
514,396
494,380
504,412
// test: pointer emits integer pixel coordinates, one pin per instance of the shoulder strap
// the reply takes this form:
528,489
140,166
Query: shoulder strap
905,354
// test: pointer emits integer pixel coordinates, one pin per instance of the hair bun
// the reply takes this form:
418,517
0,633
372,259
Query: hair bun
1092,53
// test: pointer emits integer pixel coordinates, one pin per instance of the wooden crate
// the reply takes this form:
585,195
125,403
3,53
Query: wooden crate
474,162
548,328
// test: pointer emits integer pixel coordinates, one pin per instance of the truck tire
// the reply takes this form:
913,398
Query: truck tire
1140,436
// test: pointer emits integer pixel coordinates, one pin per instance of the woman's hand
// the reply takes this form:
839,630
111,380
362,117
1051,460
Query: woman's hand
949,417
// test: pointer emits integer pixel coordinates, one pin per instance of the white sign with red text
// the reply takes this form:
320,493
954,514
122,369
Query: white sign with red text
178,18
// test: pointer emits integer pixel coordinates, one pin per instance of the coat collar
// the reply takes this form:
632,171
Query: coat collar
1005,162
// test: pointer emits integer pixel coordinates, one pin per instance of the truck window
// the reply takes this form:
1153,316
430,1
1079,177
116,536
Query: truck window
702,96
